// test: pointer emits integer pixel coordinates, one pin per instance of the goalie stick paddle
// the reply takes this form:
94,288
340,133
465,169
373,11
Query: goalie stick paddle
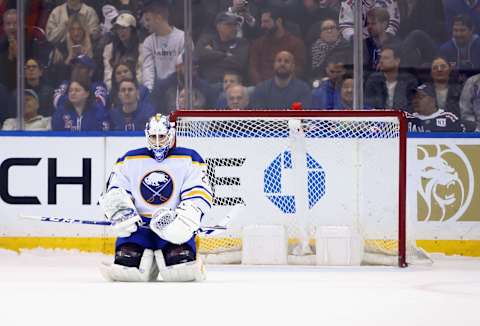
205,229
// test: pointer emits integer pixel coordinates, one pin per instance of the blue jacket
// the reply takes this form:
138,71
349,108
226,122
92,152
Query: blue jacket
469,67
325,96
94,118
133,121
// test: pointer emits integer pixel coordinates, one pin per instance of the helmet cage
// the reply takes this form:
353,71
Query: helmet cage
159,135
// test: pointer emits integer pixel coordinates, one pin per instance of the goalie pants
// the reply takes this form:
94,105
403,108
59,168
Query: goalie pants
150,240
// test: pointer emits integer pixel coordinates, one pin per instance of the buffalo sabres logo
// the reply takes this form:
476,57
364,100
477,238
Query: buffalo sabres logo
156,187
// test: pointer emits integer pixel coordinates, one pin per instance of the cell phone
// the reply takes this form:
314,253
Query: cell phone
76,48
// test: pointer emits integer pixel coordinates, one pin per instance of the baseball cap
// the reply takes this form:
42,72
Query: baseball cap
227,18
125,20
426,89
84,60
32,93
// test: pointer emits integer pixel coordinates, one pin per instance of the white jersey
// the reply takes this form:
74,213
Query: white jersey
179,177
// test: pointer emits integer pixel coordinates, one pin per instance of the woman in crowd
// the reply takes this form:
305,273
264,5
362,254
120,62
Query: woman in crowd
330,41
77,42
124,46
447,91
121,71
80,112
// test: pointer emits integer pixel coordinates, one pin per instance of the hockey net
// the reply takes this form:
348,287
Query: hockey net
302,170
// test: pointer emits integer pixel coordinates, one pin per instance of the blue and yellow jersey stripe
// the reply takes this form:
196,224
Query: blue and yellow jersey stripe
136,154
186,153
197,192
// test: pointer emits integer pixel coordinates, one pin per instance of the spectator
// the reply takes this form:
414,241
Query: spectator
222,50
377,25
447,92
7,111
346,95
4,6
132,113
8,51
237,97
162,47
275,39
249,25
327,94
31,119
427,117
346,16
35,82
124,46
470,8
283,89
329,43
230,78
470,103
463,50
80,112
389,88
168,97
122,71
77,42
310,12
57,24
198,100
83,68
414,17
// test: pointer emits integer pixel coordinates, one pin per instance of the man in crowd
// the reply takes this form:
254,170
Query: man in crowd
8,51
427,117
283,89
31,119
222,51
237,97
131,114
275,39
470,103
389,88
463,50
162,47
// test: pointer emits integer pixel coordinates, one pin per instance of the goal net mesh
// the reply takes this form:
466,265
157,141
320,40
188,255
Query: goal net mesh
299,172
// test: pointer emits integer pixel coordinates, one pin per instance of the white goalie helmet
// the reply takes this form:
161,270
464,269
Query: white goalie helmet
160,136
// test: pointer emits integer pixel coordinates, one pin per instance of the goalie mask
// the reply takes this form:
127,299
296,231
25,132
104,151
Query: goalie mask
160,136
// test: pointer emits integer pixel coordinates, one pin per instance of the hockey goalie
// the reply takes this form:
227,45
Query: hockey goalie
155,199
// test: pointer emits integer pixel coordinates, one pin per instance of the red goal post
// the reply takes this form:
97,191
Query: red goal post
264,145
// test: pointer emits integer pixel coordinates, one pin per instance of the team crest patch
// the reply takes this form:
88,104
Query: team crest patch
156,187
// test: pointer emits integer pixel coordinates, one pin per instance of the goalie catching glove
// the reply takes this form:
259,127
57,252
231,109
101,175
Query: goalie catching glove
120,210
176,226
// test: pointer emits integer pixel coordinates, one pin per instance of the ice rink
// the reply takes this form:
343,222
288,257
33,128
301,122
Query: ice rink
65,288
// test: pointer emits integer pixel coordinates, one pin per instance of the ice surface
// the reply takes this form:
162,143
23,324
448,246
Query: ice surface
65,288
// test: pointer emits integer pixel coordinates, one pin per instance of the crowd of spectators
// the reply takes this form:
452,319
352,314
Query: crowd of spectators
110,64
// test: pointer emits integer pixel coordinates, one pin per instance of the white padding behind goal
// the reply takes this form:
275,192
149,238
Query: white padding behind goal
264,245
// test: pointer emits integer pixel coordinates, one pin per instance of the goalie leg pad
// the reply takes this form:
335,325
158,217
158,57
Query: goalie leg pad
179,264
132,264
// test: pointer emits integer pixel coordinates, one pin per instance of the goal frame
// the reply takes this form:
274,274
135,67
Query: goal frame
402,150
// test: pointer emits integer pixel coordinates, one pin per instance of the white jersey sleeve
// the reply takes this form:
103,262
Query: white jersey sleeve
196,187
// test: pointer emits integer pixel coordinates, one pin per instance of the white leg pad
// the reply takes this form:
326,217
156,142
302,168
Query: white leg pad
146,272
185,272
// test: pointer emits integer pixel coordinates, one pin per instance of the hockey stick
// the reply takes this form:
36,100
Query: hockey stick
207,230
